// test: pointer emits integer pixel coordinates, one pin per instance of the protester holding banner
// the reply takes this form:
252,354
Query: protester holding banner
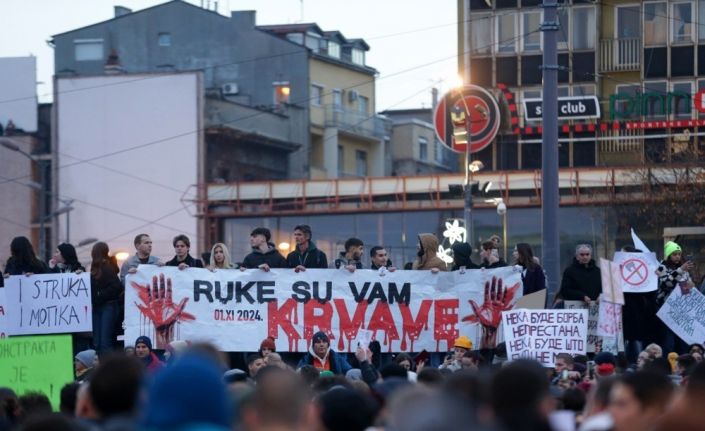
379,258
106,291
532,276
581,280
264,254
490,255
672,272
220,257
350,258
305,255
22,259
462,252
143,256
426,257
65,260
182,258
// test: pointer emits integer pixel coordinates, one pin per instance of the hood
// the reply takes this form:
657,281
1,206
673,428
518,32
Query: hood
429,243
461,252
311,246
271,249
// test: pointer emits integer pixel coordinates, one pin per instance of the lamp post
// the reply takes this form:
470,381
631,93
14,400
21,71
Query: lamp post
7,143
68,203
502,211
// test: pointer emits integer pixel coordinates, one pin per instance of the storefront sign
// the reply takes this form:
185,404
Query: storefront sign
656,104
569,108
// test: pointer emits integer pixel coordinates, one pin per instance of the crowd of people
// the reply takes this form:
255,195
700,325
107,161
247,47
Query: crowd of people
193,386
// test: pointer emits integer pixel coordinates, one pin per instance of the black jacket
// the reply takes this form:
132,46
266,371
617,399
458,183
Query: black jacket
461,256
105,285
71,267
13,268
533,280
388,265
271,257
311,258
580,281
344,261
190,261
499,264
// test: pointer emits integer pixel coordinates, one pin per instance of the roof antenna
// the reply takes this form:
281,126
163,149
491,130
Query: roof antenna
302,10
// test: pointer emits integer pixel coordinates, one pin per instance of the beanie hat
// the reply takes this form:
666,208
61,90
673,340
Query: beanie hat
326,373
463,342
670,248
320,336
144,340
605,358
191,391
86,357
268,343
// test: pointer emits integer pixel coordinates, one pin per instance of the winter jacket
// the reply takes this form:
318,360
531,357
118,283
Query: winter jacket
190,261
64,269
499,264
669,276
580,281
311,258
533,279
106,287
343,261
271,257
152,363
387,265
429,259
14,268
133,262
338,363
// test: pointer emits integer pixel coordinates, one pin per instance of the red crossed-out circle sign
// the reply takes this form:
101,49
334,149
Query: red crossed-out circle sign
634,271
449,118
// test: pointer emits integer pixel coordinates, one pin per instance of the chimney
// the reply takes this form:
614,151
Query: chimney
121,10
112,65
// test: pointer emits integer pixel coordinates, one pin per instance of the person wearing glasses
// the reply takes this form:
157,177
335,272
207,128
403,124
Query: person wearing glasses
581,280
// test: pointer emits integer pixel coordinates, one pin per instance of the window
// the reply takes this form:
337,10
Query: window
506,33
341,159
438,150
584,28
481,34
316,95
654,99
363,104
584,90
88,49
655,24
337,99
164,39
360,163
681,100
296,38
313,42
628,22
564,27
622,104
282,91
701,20
563,91
682,22
333,49
423,148
531,22
358,56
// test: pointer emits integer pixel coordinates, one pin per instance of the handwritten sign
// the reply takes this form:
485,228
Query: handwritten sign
685,315
543,334
637,271
595,342
48,304
611,281
37,363
609,321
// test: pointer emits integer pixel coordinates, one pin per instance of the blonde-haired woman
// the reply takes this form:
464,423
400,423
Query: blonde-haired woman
220,257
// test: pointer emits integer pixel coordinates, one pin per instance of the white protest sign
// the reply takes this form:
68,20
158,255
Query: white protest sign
364,338
543,334
597,343
611,281
404,310
685,315
3,314
609,322
48,304
637,271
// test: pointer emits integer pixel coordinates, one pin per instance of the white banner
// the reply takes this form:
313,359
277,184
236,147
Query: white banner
48,304
543,334
611,281
234,310
3,315
637,271
609,322
685,315
595,342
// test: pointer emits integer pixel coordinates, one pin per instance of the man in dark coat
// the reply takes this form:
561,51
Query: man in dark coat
264,254
581,280
305,255
323,358
183,259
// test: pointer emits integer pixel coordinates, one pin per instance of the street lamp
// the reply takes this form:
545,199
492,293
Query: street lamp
68,203
502,212
7,143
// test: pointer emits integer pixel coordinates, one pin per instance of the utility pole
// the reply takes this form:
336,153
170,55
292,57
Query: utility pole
467,52
549,154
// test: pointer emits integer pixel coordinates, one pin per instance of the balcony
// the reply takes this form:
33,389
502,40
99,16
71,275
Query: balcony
620,55
356,123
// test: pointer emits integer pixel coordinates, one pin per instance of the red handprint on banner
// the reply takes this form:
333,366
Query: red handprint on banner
498,298
158,306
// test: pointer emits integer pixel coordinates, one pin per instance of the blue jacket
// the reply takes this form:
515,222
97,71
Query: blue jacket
338,363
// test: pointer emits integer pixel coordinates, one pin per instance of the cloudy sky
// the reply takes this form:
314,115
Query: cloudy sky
413,42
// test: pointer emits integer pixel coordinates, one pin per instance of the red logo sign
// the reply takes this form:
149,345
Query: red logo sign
634,272
452,112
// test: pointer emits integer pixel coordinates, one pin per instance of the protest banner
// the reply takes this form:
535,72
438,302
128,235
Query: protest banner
637,271
48,304
3,316
609,321
41,363
543,334
235,310
685,315
595,342
611,281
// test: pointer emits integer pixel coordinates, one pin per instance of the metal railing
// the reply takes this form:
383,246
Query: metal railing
620,55
356,122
